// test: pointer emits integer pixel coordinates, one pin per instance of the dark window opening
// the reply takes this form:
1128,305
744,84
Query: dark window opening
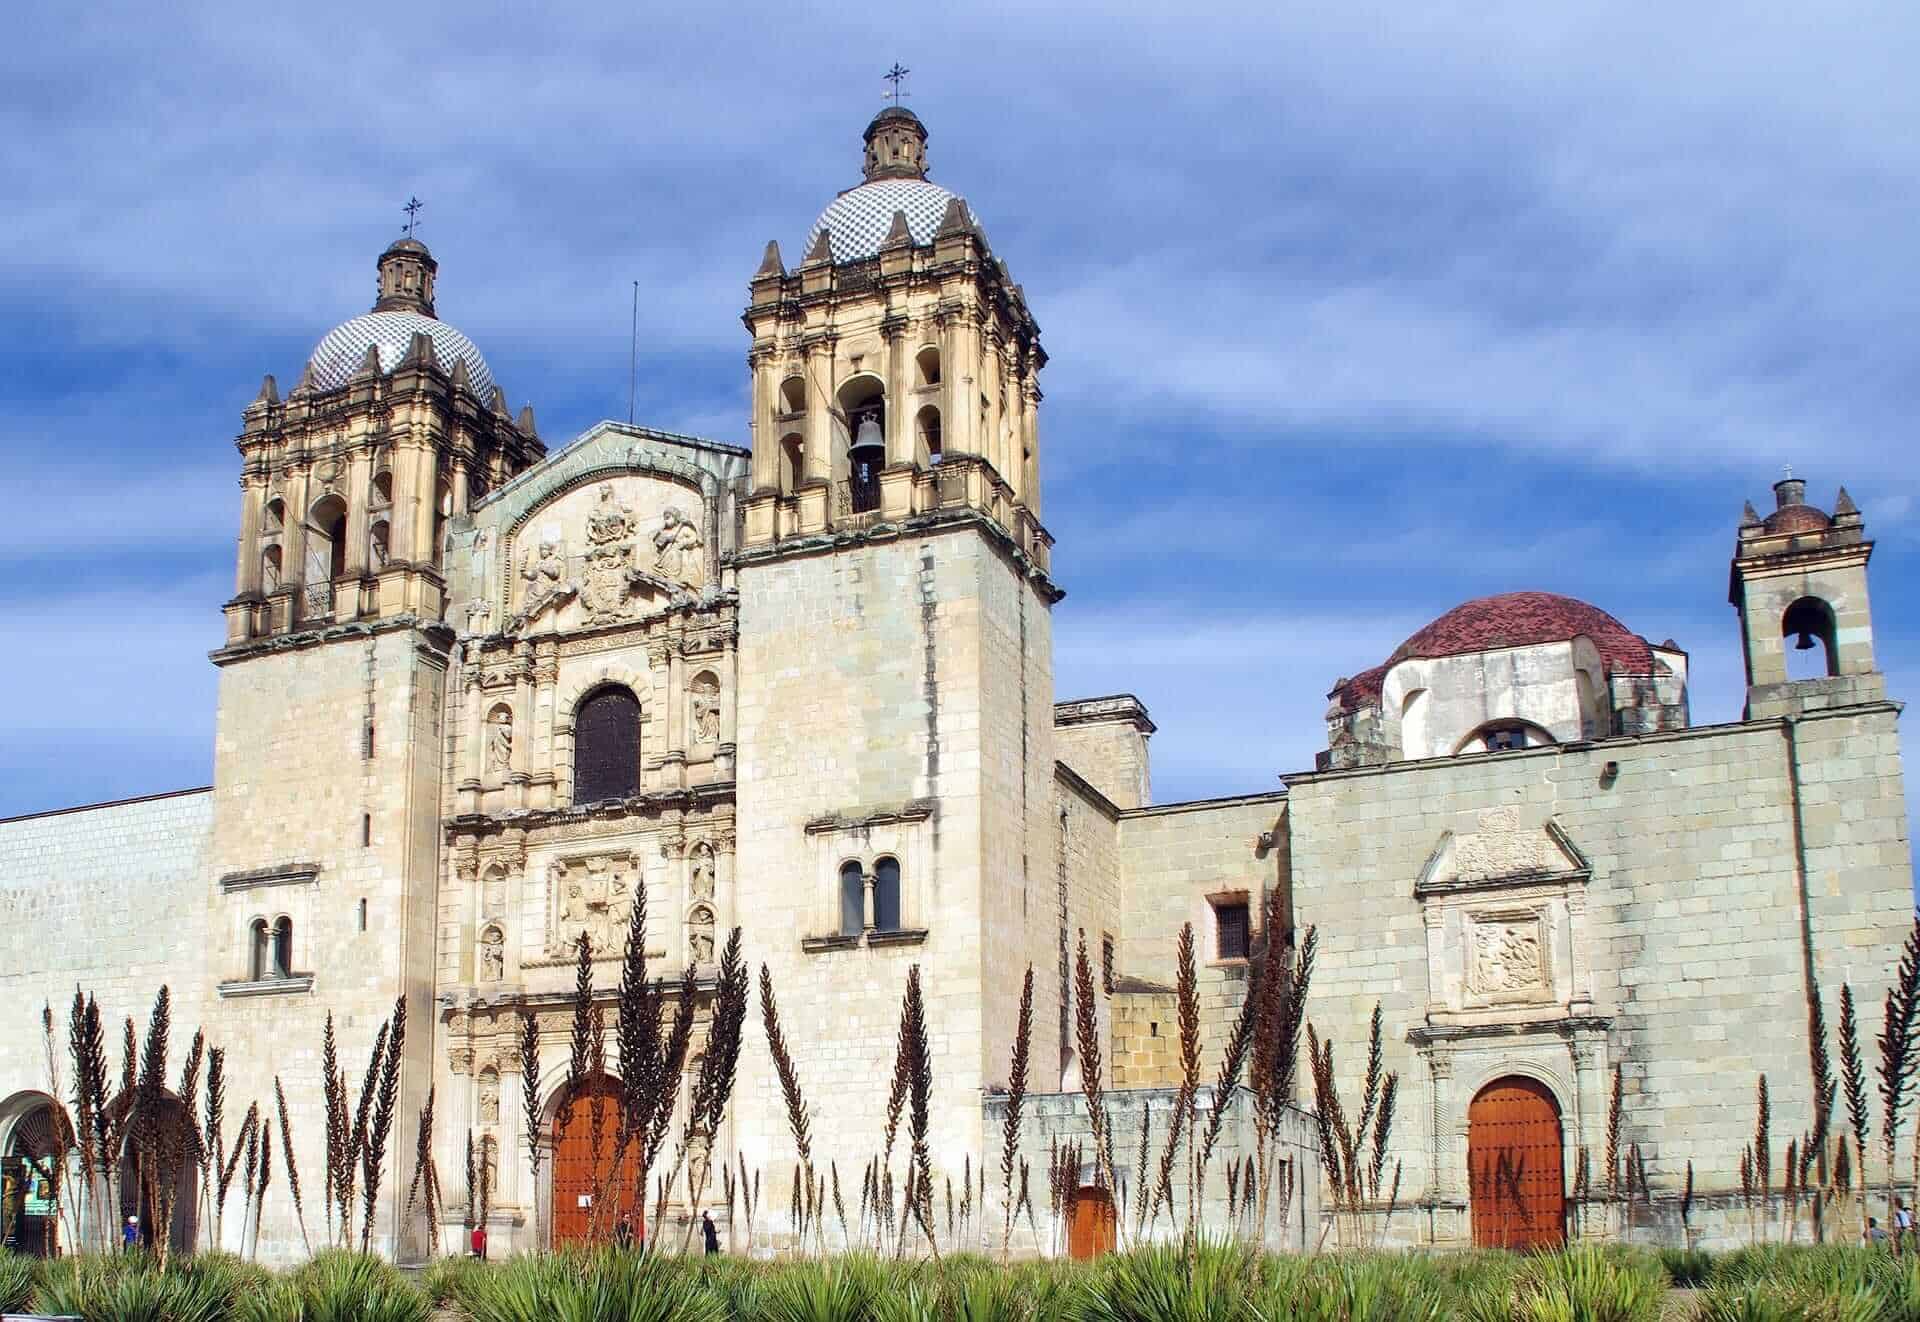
1504,739
1233,930
853,899
283,948
606,747
886,895
1808,630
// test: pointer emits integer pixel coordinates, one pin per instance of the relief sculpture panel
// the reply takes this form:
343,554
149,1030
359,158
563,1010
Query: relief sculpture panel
1507,956
607,552
594,895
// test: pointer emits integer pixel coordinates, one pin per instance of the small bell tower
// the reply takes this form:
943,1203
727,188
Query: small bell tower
1799,581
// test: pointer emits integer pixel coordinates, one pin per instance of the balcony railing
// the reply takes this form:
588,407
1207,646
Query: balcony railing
316,601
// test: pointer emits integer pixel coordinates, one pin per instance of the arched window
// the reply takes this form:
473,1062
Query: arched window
793,395
379,544
927,431
270,569
927,366
276,517
606,746
1505,737
886,895
283,948
327,541
853,898
381,494
1807,628
260,958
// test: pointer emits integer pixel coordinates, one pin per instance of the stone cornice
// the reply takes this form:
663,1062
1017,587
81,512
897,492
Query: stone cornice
279,874
437,636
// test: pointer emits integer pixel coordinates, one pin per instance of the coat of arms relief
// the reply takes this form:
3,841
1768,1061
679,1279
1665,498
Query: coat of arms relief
1507,956
619,561
594,895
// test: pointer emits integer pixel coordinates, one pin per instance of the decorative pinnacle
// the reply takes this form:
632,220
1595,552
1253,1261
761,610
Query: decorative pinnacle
896,75
412,208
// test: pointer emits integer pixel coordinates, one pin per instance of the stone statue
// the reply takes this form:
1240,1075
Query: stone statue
545,572
700,936
706,709
489,1096
499,740
493,955
679,550
701,881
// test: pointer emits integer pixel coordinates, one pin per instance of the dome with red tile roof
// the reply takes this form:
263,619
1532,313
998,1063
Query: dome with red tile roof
1797,518
1510,619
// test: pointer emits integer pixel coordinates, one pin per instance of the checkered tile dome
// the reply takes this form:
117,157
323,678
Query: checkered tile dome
338,355
858,220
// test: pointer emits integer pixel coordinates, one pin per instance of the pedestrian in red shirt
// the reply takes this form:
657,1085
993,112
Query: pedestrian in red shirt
478,1241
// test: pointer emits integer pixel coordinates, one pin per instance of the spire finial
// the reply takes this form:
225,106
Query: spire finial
896,75
412,208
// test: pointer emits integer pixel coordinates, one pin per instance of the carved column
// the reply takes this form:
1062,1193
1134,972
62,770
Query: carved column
293,542
403,536
817,362
473,759
959,427
674,764
517,776
546,669
899,396
359,487
1028,486
765,435
725,911
1443,1178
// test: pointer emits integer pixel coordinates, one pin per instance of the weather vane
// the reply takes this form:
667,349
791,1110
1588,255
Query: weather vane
896,75
412,208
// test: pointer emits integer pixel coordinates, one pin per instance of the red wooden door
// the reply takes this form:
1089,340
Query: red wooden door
1514,1166
1093,1228
589,1197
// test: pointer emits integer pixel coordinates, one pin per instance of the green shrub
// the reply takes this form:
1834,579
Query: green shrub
339,1286
1687,1268
605,1286
18,1274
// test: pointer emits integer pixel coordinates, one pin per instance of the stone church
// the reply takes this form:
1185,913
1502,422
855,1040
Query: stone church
475,694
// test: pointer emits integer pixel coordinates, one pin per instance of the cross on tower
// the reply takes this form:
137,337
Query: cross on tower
896,75
412,208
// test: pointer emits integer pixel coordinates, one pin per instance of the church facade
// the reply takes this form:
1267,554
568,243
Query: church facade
477,697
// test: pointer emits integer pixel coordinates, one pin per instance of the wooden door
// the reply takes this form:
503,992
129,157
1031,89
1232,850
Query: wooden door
1092,1232
1515,1167
589,1197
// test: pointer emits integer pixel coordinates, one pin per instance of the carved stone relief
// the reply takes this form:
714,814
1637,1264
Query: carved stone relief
1507,955
493,954
544,569
679,552
592,895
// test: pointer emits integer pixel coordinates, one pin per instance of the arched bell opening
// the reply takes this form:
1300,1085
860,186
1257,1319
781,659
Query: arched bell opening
327,540
863,406
1807,628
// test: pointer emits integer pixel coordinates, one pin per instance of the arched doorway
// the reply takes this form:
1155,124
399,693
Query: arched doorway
1094,1224
1515,1166
589,1194
139,1182
29,1174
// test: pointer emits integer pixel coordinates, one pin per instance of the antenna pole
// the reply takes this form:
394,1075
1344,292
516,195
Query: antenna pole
633,353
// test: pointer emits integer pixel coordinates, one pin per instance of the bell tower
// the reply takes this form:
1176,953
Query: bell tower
895,699
1799,581
896,368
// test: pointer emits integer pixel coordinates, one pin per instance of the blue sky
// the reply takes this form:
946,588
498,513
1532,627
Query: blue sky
1353,315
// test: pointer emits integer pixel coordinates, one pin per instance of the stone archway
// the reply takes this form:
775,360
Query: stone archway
1516,1166
31,1123
588,1195
136,1186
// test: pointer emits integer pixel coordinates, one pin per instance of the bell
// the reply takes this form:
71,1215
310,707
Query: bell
867,436
1806,643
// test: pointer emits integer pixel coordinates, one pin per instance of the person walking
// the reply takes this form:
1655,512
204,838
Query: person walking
130,1234
1873,1237
1902,1224
623,1232
708,1233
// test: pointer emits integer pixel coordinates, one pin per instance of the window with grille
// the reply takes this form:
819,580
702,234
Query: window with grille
606,747
1232,928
